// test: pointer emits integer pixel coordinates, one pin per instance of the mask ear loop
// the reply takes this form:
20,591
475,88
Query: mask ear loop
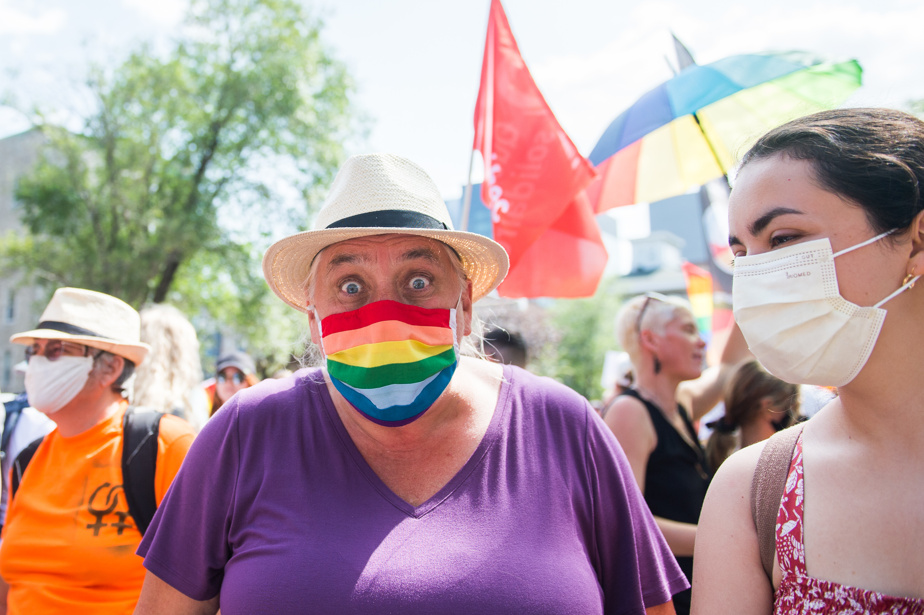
317,319
862,244
907,283
453,324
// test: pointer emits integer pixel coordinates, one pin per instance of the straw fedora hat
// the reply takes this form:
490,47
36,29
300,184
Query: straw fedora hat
378,194
94,319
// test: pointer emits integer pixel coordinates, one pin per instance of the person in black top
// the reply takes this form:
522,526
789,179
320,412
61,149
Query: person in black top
653,421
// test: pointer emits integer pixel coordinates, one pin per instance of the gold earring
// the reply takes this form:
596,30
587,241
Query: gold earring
908,278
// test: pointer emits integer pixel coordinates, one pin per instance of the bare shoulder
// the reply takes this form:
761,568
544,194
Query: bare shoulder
728,500
729,497
626,413
630,422
729,577
738,470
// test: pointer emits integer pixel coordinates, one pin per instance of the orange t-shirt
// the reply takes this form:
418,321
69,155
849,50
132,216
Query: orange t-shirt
69,542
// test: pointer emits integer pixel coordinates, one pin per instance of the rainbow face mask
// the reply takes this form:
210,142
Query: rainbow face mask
390,360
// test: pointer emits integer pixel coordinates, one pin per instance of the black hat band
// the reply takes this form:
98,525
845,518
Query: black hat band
390,218
70,329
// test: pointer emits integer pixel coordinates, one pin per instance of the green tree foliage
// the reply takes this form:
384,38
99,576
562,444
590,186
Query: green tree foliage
916,107
587,332
171,189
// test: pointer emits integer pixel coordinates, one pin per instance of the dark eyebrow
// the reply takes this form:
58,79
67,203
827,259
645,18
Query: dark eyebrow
421,253
761,223
348,258
343,259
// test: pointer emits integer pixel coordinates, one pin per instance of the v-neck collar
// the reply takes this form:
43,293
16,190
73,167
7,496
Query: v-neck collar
491,436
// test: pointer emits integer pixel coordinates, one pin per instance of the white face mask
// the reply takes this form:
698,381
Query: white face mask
50,385
795,321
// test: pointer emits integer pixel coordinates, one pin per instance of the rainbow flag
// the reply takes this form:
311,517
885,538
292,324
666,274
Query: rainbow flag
390,360
699,291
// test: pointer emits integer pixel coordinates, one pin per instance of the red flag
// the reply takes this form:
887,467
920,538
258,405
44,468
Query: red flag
567,260
533,177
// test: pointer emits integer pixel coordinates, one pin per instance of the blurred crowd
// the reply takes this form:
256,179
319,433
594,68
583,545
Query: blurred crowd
423,468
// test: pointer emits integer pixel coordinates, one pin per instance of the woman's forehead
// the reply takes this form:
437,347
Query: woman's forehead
775,181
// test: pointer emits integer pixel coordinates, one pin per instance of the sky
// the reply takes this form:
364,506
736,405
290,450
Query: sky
417,63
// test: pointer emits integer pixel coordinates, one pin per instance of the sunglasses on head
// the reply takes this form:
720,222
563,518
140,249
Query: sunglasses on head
641,312
236,377
55,349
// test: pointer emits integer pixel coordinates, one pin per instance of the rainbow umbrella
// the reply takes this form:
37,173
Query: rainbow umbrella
689,130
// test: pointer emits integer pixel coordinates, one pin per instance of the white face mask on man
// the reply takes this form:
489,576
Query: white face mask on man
794,319
50,385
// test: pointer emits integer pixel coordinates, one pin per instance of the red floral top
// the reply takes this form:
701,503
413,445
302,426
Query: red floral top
800,594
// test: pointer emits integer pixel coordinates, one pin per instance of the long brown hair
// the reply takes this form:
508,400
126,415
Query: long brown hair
748,387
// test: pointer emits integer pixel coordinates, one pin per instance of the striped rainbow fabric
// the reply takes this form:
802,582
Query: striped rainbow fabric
390,360
699,291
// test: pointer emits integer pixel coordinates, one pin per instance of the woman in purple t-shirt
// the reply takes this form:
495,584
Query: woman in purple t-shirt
404,477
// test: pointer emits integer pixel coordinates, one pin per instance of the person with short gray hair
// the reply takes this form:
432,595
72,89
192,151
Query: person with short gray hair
654,418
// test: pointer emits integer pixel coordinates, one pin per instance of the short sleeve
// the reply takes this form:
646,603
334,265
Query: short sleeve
633,559
186,544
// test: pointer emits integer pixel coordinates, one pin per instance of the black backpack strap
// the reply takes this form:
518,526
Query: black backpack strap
19,464
767,488
140,428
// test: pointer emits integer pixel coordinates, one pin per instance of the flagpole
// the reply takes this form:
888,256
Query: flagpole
467,197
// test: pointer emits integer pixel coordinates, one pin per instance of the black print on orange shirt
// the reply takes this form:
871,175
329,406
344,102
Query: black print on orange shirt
103,504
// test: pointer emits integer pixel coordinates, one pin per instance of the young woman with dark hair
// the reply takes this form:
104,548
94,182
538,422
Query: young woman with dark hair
828,234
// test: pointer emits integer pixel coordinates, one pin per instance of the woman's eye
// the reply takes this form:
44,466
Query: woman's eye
350,288
419,283
779,240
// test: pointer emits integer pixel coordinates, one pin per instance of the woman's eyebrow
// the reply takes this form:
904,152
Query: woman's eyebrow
761,223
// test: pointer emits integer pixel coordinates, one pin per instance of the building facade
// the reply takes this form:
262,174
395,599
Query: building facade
20,304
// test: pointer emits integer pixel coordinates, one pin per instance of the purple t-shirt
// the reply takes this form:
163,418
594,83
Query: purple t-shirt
275,508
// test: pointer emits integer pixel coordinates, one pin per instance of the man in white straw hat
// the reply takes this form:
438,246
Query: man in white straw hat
404,477
70,533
